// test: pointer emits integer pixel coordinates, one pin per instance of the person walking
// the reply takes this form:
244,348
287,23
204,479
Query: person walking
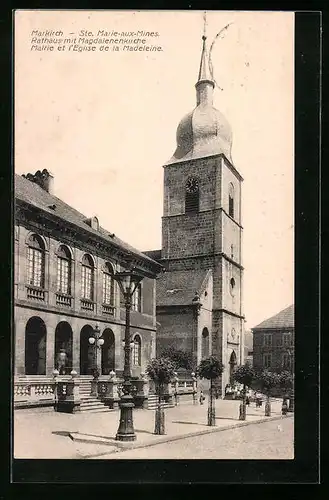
202,398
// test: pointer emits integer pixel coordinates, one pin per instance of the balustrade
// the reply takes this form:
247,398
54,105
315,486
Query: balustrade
63,300
108,309
35,293
87,305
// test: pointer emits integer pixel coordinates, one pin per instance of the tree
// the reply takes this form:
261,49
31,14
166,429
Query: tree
210,369
181,358
161,371
266,381
286,385
245,375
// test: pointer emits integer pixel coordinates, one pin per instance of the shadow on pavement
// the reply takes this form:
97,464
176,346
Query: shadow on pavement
144,431
184,422
95,436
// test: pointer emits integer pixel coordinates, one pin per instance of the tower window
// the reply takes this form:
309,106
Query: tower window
192,195
231,201
232,285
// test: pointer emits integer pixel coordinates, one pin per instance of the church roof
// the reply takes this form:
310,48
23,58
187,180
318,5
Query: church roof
177,288
204,131
33,194
153,254
283,319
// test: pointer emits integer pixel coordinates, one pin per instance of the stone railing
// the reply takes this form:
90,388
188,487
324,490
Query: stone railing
35,293
87,305
63,300
108,309
33,391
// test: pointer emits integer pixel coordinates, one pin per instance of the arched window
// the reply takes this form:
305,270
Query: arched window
108,284
231,200
64,269
137,348
36,261
87,281
205,343
192,195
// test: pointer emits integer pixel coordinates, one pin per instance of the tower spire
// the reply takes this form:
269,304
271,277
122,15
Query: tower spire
205,83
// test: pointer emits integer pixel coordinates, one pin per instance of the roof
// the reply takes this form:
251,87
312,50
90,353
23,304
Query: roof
176,288
153,254
33,194
283,319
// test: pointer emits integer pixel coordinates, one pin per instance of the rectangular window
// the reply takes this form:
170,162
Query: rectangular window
35,267
136,301
231,206
286,361
268,340
63,276
87,282
108,289
287,339
267,360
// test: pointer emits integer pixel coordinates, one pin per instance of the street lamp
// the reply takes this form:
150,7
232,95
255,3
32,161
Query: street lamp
96,341
128,281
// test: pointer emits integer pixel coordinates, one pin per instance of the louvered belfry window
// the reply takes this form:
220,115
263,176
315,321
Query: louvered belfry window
192,195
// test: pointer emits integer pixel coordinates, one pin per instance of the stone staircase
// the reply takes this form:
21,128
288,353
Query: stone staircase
152,403
90,403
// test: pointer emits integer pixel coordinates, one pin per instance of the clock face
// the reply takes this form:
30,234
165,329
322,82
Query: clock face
192,185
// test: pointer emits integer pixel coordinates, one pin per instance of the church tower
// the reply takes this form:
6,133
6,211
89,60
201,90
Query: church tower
199,297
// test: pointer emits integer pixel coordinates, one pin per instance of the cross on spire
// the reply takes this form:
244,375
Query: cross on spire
204,25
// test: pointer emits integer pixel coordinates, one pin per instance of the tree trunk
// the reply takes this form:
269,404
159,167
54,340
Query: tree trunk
211,408
159,427
268,406
284,408
242,408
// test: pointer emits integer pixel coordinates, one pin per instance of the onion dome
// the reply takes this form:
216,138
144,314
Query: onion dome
205,130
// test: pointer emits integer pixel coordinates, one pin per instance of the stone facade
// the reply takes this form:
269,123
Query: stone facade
46,320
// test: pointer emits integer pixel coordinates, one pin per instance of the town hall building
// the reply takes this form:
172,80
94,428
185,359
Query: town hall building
199,296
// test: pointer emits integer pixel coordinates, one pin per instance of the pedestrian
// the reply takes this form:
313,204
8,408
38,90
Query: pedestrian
202,398
61,361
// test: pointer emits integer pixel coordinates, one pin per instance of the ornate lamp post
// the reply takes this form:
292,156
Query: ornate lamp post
128,281
96,340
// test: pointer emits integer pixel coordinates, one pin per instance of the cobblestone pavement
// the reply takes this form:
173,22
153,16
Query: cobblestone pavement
269,440
47,434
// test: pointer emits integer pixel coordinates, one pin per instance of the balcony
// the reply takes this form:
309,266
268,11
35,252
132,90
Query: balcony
87,305
63,300
108,309
35,293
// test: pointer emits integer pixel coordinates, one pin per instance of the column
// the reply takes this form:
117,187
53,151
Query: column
50,349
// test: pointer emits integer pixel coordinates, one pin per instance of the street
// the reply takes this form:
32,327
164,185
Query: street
268,440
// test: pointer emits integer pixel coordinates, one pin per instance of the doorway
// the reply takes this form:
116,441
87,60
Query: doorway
35,347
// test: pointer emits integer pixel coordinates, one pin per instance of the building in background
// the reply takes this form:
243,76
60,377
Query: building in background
274,341
199,297
248,347
64,265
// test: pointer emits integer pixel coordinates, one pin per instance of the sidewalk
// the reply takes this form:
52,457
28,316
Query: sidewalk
40,434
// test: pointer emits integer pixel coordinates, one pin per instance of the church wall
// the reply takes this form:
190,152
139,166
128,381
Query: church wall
231,297
229,177
232,236
175,329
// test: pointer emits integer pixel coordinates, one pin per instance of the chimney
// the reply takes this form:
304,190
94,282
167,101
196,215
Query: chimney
44,179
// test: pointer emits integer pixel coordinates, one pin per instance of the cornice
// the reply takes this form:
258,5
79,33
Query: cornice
55,226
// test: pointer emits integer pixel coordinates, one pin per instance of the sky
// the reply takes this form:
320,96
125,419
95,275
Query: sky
104,123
